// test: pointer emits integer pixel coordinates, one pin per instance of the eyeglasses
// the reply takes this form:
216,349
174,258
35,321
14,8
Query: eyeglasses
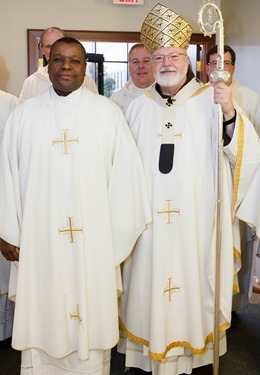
214,63
171,57
47,46
136,62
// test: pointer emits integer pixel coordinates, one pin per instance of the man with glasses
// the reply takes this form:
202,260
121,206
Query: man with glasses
39,81
169,280
249,101
141,73
246,98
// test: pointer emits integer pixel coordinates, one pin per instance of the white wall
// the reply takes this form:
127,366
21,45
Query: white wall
242,29
16,16
242,33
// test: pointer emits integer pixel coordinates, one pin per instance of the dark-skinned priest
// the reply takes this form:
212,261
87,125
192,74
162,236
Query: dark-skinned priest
73,203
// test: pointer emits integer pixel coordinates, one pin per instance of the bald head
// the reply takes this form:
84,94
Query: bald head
48,37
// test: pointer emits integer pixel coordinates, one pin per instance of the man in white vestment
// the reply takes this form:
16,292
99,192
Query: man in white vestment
249,101
7,104
167,309
40,81
141,73
246,98
73,203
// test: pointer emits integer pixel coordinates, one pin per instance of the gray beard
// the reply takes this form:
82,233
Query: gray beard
169,80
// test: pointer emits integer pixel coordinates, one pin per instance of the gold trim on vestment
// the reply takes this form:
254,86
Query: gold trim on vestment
236,288
199,91
237,254
240,146
131,336
148,94
238,260
183,344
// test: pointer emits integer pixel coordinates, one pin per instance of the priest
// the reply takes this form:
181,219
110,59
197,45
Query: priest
40,81
73,203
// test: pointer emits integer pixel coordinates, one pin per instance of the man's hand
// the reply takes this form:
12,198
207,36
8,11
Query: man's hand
10,252
223,96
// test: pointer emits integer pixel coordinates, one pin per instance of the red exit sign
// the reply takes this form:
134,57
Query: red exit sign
129,2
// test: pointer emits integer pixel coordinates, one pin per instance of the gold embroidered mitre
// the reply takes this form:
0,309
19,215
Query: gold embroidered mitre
164,28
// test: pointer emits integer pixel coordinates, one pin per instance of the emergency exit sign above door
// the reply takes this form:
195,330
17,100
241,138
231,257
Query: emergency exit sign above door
129,2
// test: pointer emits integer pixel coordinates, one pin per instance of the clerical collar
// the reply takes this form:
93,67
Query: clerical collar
190,76
65,101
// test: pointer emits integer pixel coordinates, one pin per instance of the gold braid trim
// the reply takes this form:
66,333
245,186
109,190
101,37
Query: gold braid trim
240,146
237,254
148,94
185,344
237,259
131,336
199,91
236,289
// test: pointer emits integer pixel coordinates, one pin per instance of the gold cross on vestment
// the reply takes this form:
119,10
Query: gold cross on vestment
171,288
168,211
70,230
65,141
76,315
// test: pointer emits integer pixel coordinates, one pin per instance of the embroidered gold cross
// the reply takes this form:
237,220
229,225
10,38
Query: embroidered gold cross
65,141
171,288
76,315
70,230
168,211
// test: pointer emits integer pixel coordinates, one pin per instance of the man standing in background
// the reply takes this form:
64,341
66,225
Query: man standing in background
141,73
40,81
246,98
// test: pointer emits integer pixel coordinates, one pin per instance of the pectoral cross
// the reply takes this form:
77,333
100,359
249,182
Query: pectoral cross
168,211
71,230
65,141
171,288
76,315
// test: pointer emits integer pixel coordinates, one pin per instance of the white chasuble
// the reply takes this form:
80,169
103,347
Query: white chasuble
74,200
7,103
168,304
126,94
